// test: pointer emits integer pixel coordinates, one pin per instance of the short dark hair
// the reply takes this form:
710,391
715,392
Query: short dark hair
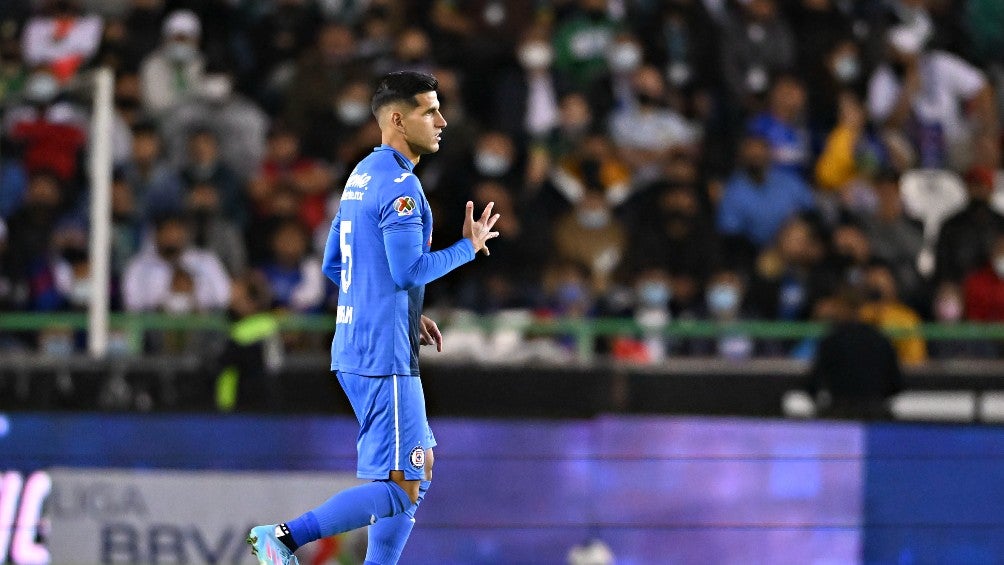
402,86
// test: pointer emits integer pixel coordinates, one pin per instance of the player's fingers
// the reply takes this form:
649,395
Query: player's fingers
488,212
492,235
491,222
437,337
470,211
427,338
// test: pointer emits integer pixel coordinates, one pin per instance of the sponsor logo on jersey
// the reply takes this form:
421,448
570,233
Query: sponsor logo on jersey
357,180
404,205
402,177
417,457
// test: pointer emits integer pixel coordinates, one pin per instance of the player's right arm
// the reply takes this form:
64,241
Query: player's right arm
332,264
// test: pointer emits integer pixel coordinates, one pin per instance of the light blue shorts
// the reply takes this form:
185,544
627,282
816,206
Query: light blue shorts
393,430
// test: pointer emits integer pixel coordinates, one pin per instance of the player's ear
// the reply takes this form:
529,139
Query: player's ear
397,120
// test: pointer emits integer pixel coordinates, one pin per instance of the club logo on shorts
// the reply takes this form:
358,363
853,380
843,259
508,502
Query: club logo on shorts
404,205
417,457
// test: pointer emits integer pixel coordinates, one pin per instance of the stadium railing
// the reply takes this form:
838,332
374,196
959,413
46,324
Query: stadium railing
583,331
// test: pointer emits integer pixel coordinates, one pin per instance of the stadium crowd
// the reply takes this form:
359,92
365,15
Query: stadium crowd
673,159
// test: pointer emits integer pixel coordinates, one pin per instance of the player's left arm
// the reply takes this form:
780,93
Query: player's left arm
430,333
401,223
332,264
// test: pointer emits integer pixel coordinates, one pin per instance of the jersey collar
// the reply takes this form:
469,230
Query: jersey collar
398,156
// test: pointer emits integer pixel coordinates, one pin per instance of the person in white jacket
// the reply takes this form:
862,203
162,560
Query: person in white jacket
173,73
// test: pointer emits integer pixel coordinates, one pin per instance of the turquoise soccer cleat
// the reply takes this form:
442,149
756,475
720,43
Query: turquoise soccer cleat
267,547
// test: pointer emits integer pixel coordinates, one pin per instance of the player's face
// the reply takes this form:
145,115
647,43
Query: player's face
424,124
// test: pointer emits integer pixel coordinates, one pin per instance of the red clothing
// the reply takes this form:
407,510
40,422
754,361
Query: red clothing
50,146
984,294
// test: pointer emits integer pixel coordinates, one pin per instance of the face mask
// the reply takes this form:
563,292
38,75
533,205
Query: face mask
74,255
80,292
570,293
180,51
491,164
998,263
179,303
170,252
654,294
723,299
624,57
593,219
41,88
846,68
352,113
536,56
948,309
216,89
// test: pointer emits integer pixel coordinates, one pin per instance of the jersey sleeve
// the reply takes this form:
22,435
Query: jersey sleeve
400,207
332,264
401,224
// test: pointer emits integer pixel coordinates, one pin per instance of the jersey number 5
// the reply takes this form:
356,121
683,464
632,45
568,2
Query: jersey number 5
344,229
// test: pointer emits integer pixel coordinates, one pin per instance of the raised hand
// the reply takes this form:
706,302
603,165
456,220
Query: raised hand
480,231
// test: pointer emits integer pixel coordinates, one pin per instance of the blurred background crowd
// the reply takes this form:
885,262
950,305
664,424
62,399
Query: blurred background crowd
662,160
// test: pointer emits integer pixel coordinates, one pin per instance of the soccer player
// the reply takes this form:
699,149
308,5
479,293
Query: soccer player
378,253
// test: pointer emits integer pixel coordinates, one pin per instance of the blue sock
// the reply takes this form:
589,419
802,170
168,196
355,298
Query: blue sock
388,536
350,509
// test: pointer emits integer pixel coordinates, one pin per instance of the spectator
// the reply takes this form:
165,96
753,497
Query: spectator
13,71
320,74
334,127
783,125
143,24
31,227
13,185
591,237
512,280
294,276
525,104
759,198
851,152
581,42
52,131
923,91
62,40
724,299
239,125
843,71
174,72
253,351
173,276
205,165
824,37
984,287
285,168
213,229
885,310
966,237
13,290
127,225
478,37
155,184
756,44
646,129
595,164
894,237
278,39
68,271
672,232
855,370
683,40
789,277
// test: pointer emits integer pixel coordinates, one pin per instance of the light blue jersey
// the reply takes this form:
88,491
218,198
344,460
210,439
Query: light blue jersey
379,254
